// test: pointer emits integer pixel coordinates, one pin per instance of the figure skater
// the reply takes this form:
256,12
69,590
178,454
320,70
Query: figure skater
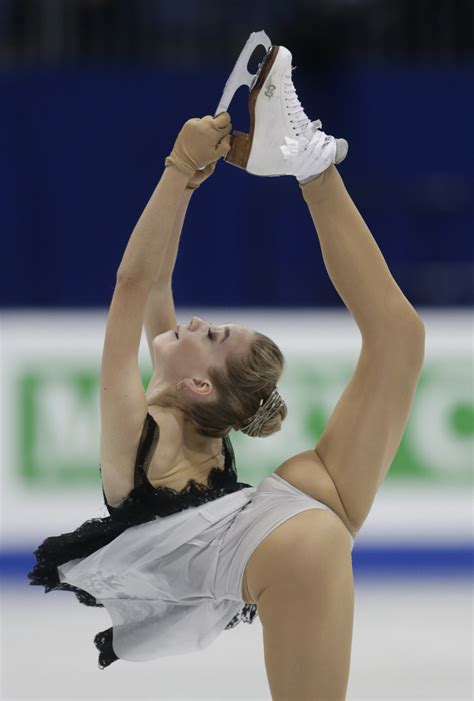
188,550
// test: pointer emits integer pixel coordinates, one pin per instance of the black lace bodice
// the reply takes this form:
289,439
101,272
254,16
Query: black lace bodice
144,503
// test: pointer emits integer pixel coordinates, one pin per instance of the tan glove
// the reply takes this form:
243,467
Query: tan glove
201,142
201,175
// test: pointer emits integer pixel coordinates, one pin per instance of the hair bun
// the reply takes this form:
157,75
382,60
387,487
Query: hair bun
266,411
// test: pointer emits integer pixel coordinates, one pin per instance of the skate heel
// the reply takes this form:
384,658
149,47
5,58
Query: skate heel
239,149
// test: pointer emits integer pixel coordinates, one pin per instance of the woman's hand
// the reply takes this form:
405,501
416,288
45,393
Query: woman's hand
200,143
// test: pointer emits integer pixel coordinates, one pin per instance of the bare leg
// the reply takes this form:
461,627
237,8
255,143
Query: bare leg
307,610
365,428
353,260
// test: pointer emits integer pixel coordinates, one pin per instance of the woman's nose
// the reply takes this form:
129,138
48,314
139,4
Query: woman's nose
196,321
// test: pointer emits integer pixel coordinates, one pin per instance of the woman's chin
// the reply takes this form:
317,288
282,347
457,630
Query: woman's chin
164,338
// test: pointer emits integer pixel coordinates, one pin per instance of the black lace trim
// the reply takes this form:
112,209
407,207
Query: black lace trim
144,503
246,614
103,642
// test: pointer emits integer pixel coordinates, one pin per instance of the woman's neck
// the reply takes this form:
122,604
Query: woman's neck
176,430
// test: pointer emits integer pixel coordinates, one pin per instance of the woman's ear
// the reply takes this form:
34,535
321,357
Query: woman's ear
201,388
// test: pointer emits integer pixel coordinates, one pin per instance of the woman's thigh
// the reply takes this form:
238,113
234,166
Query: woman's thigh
306,606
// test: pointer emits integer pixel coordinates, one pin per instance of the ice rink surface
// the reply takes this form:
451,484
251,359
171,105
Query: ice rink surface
413,639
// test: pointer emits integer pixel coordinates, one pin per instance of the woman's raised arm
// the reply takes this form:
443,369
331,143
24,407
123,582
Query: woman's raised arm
200,143
160,315
146,248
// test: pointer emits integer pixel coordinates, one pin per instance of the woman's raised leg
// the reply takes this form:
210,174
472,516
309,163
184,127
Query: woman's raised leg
365,428
353,260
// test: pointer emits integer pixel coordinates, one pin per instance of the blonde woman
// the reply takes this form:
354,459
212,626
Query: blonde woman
188,550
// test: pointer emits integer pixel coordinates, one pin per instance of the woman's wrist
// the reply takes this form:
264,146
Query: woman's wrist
178,175
164,277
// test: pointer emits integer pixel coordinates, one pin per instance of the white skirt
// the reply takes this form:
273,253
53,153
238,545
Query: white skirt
172,585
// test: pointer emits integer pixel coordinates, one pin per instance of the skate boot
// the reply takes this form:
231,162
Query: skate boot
282,140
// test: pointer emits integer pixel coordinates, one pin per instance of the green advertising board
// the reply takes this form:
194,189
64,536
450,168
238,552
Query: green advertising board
57,427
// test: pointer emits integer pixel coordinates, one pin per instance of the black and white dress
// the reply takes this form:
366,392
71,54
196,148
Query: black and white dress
144,504
168,565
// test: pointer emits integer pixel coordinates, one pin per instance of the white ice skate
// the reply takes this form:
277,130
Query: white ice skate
282,140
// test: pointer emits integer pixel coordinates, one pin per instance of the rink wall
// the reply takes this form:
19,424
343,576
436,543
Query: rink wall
83,149
421,522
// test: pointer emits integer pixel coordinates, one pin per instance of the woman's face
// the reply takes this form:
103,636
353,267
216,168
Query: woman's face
199,346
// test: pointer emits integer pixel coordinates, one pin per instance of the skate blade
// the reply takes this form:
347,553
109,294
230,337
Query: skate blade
240,74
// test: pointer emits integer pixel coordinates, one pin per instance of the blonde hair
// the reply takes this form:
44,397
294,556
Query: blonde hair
239,387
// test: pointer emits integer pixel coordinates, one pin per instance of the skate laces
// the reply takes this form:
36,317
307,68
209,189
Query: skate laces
295,108
318,140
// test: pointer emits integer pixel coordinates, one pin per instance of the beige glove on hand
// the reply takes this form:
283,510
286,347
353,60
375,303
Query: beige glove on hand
201,142
200,176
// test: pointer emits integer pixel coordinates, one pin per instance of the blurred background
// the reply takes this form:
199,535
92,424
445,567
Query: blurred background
93,94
